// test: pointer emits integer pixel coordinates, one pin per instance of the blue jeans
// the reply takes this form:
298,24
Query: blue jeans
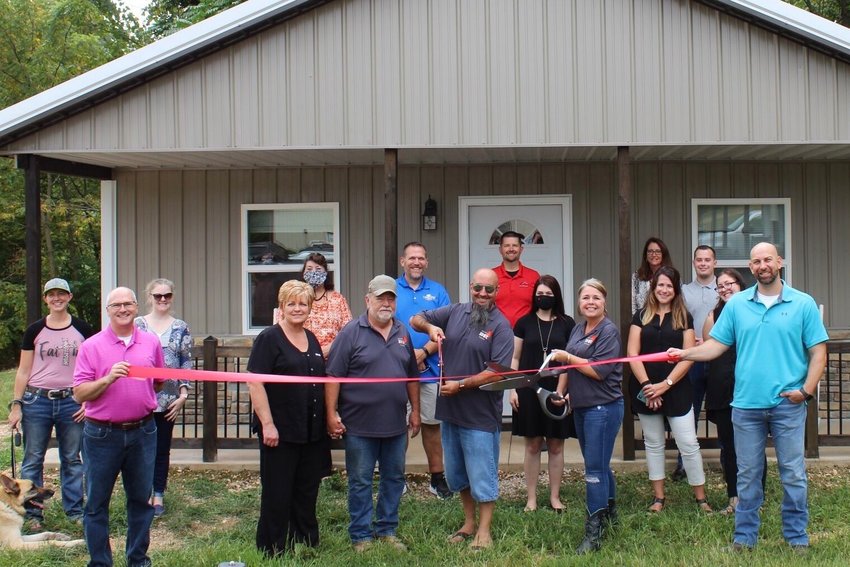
39,416
597,427
361,454
786,424
471,457
106,452
164,432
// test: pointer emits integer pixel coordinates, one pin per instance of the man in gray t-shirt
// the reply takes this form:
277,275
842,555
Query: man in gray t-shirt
373,416
472,334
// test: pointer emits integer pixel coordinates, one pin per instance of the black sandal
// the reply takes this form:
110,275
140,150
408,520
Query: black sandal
704,505
655,501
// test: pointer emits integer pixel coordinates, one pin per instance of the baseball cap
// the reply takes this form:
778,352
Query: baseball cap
382,284
56,283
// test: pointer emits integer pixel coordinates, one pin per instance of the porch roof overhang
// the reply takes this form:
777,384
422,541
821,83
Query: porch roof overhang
258,158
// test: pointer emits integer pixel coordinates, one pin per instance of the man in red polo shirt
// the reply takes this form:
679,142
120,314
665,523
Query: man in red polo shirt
516,282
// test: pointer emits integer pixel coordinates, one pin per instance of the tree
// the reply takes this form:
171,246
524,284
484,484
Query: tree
834,10
44,43
167,16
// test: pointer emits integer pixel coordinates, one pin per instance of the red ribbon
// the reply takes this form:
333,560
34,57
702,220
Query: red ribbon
218,376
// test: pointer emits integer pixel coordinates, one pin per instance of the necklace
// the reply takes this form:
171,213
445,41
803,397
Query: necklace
549,336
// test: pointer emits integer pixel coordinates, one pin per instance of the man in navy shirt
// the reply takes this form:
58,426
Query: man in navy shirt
373,416
473,334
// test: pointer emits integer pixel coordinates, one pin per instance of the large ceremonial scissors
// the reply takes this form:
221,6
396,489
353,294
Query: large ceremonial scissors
514,379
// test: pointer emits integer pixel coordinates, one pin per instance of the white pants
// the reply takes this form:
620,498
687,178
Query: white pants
685,434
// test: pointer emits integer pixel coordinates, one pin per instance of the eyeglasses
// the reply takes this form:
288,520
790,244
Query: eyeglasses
726,285
490,289
161,296
125,305
653,252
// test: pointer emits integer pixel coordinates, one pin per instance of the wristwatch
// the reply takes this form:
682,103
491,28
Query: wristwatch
669,382
806,395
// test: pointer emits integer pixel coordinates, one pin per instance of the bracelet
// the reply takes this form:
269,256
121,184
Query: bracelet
460,384
425,349
16,401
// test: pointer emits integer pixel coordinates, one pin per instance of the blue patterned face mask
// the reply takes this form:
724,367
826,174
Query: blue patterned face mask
315,277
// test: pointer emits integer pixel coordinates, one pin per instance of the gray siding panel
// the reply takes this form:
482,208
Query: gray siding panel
187,225
414,73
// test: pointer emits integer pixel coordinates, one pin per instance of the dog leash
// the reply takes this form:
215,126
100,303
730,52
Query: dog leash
16,442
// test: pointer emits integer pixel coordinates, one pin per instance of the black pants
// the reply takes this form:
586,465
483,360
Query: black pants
164,431
289,476
722,419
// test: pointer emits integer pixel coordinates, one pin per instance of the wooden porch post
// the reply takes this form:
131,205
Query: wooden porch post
624,205
210,415
391,212
32,235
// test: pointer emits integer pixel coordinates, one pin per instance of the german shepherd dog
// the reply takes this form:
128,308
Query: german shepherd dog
13,495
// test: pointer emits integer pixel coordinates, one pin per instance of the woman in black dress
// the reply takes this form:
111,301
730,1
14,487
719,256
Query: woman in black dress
720,387
660,390
290,418
546,328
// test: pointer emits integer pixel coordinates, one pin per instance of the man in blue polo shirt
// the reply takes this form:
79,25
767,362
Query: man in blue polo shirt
473,334
373,416
417,293
781,346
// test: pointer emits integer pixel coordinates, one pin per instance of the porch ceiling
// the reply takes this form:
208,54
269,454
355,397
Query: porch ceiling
269,158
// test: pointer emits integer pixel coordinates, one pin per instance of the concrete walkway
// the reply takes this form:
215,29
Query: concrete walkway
510,458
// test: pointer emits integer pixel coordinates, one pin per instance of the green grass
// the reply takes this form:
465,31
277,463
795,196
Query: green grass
211,517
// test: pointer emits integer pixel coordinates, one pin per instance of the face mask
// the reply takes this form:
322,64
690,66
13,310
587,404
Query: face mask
544,302
315,277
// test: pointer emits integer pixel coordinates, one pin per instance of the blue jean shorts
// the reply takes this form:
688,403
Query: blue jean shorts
471,459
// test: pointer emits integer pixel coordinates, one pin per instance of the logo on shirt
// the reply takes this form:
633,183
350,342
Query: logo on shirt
485,335
402,341
429,297
524,284
591,339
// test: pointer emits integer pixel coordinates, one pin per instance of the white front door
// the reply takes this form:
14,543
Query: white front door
544,220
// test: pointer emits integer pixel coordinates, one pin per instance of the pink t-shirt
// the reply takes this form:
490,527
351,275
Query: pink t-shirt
127,399
54,352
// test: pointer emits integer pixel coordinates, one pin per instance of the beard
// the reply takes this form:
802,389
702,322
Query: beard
767,278
480,316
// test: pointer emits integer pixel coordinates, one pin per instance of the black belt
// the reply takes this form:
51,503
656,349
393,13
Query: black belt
59,394
123,425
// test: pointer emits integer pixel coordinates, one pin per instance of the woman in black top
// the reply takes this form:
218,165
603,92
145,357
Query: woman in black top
535,335
290,420
720,387
660,390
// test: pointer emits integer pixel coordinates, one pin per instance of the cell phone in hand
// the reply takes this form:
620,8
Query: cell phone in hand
641,396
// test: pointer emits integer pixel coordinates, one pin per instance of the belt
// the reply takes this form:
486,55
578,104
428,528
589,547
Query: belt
59,394
123,425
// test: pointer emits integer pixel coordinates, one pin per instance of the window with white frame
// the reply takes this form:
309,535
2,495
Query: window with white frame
276,240
733,226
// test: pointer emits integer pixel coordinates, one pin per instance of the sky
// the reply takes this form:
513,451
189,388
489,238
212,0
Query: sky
136,6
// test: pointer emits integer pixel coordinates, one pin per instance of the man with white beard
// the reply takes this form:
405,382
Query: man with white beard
373,417
472,334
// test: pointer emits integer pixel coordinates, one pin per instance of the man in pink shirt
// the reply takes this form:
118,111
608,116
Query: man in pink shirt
516,281
119,434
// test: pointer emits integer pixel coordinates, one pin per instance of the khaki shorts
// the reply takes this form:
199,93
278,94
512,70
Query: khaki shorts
428,402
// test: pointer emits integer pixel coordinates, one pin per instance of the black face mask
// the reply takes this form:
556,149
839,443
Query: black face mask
544,302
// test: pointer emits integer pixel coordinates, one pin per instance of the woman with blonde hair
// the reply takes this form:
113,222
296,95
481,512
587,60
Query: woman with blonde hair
596,397
661,390
176,341
290,421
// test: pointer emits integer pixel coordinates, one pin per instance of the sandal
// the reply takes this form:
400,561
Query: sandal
459,537
657,502
730,509
704,505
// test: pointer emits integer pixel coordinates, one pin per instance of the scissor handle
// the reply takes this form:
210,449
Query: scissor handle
544,396
546,360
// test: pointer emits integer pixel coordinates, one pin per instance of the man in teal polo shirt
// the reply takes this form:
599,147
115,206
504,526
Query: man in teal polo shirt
781,346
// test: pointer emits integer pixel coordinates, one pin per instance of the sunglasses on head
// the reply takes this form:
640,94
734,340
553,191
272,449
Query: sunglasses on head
161,296
488,288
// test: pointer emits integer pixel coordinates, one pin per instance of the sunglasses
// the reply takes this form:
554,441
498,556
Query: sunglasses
488,288
161,296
